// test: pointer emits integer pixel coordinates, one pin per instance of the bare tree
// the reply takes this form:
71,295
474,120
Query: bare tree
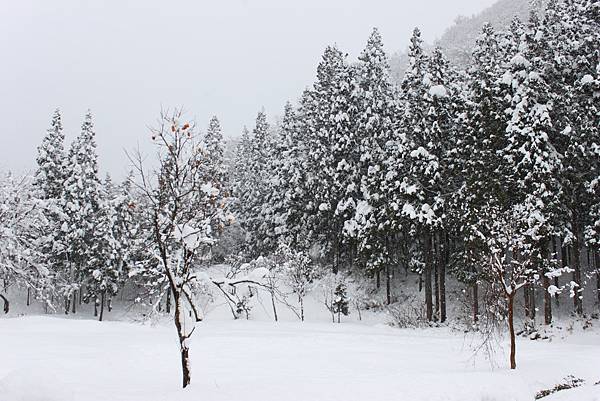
186,208
21,217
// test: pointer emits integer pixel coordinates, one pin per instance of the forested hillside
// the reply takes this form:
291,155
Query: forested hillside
460,196
459,39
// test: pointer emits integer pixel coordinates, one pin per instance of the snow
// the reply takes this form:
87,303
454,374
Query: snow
57,359
587,79
438,91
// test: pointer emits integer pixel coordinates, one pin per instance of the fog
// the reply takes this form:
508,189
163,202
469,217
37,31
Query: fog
125,60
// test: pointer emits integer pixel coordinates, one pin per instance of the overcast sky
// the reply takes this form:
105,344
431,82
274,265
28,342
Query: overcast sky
125,59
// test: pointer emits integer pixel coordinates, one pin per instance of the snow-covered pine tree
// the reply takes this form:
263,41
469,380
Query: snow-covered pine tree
571,36
423,205
50,175
531,159
481,140
368,208
255,184
340,301
330,167
49,184
215,148
115,245
282,180
81,205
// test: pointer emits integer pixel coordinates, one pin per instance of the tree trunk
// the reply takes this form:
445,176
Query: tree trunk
102,296
546,283
74,303
301,300
597,267
273,304
168,306
28,296
67,304
576,263
335,250
6,307
378,279
442,273
427,272
526,301
388,288
436,277
532,301
184,349
511,329
96,303
555,255
475,302
577,301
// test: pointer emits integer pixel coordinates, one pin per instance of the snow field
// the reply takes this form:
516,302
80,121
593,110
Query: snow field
57,359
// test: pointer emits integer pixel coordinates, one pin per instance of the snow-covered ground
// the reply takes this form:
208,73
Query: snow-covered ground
57,359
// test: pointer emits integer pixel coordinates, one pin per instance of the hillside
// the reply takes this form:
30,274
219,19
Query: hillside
459,39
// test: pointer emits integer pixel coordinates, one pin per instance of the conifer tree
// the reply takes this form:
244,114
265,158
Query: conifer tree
81,205
375,112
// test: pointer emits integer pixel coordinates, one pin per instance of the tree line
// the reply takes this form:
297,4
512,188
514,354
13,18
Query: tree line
488,174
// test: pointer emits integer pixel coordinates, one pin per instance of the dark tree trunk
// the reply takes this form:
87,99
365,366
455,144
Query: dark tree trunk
597,269
335,259
96,304
427,273
532,301
511,329
577,301
301,301
28,296
475,302
168,306
74,303
6,306
67,304
444,255
527,301
184,349
388,285
436,278
378,279
546,284
273,305
555,256
102,296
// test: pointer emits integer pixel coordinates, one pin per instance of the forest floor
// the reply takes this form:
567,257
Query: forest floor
52,358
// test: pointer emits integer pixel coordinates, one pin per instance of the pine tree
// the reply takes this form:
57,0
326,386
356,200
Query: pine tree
49,183
213,142
50,174
340,301
331,142
81,206
375,111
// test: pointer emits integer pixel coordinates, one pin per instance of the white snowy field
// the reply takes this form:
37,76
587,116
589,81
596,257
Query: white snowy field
58,359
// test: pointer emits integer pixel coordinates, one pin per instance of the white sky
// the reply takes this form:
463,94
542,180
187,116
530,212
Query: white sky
125,59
